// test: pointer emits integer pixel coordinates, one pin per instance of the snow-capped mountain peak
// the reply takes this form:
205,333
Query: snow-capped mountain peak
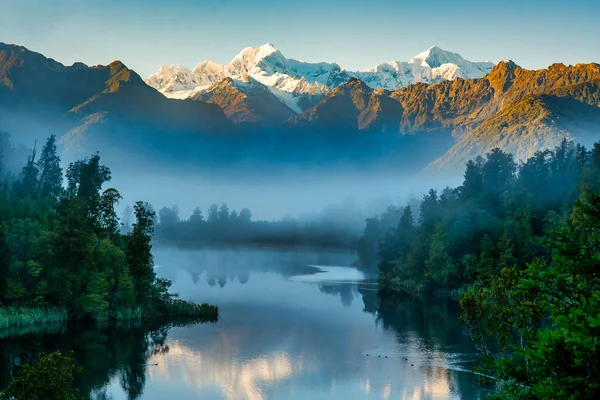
432,65
257,53
435,57
293,81
207,67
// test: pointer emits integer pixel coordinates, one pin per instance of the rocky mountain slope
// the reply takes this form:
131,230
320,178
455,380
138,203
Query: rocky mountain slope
512,108
246,101
300,85
91,102
253,106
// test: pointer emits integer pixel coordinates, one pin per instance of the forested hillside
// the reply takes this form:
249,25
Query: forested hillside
61,254
520,245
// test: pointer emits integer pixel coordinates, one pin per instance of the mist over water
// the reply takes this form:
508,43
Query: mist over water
353,194
298,175
300,325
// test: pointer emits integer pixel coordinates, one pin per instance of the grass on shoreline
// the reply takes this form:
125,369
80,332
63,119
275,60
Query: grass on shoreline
23,316
181,308
16,319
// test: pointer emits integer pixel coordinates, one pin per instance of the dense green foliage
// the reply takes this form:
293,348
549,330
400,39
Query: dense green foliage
61,249
49,378
539,327
22,316
120,353
223,226
520,244
500,216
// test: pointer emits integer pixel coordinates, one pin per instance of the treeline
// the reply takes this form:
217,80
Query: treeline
61,252
224,227
457,236
520,245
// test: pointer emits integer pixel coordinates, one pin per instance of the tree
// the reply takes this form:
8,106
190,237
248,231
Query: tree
49,377
430,212
109,222
169,216
473,184
213,213
138,252
50,181
84,181
498,174
224,213
28,182
196,217
69,256
368,245
245,216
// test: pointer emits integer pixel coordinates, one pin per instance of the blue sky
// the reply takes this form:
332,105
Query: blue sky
356,34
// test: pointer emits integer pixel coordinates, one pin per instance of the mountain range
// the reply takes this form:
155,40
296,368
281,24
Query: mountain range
434,111
262,74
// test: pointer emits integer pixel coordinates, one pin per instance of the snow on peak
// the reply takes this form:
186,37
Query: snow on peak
509,62
292,79
207,66
435,57
433,65
256,53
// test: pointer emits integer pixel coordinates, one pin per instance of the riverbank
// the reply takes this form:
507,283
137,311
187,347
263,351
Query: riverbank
16,319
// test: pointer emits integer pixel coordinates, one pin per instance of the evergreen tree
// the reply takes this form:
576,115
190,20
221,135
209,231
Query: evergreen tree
196,217
50,180
138,252
213,214
224,213
245,216
28,180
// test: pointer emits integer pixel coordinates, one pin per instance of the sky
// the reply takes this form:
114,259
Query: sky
146,34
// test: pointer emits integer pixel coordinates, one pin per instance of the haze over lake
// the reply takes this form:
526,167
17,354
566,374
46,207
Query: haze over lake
293,325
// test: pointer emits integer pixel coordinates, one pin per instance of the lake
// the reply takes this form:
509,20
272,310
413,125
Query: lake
293,325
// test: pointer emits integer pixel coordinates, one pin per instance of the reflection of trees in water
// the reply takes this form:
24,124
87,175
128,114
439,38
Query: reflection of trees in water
240,263
370,298
345,292
120,352
213,278
243,276
435,319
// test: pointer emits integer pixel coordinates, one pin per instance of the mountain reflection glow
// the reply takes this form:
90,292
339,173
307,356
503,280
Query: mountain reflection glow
307,344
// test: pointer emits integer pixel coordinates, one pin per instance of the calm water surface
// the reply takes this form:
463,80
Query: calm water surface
293,325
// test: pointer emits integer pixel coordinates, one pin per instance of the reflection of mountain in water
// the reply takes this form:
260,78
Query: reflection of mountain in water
283,334
256,358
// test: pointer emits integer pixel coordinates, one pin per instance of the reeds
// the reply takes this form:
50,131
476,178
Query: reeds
182,308
50,328
129,314
133,314
23,316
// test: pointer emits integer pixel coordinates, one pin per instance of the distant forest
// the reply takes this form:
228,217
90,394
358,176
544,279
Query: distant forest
223,226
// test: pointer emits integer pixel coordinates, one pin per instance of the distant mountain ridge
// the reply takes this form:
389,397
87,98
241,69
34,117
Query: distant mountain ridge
272,108
517,110
300,85
82,100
